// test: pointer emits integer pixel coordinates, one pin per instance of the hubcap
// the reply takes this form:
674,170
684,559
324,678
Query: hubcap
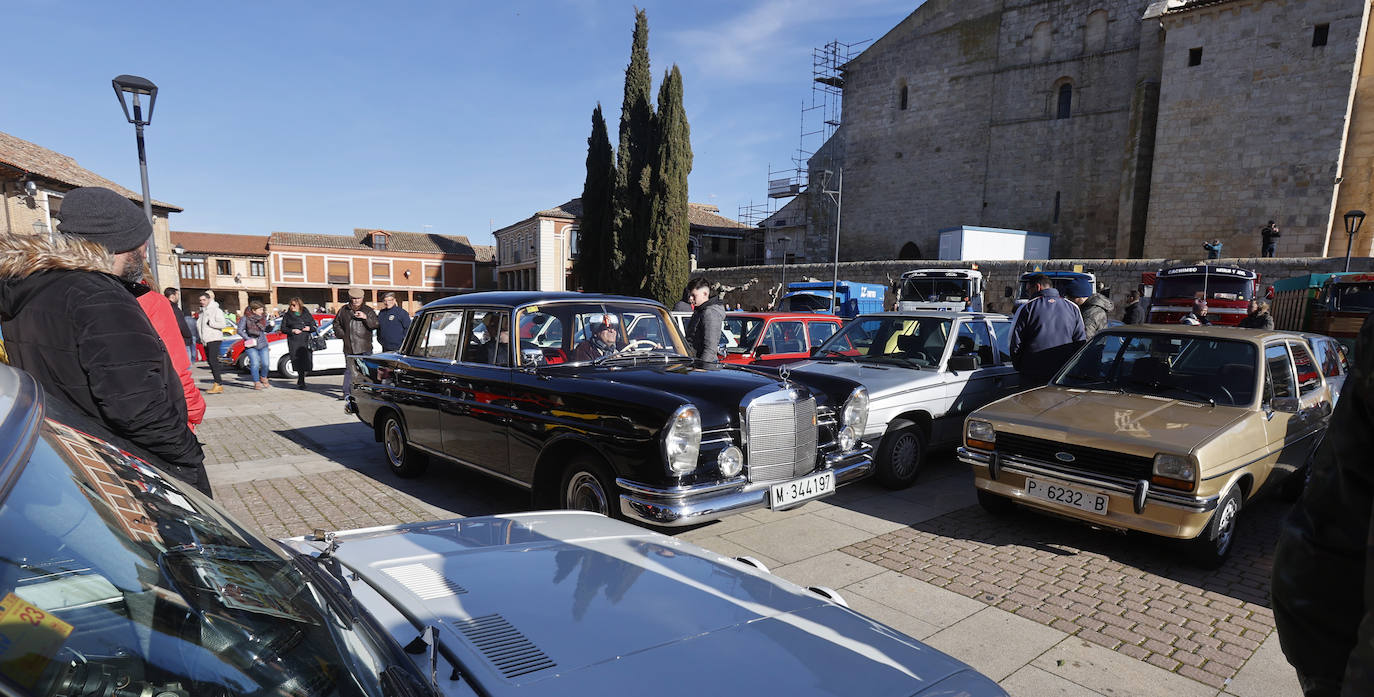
1226,525
395,443
904,452
585,494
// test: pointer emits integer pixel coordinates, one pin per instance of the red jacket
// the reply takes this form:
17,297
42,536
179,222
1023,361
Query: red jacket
168,327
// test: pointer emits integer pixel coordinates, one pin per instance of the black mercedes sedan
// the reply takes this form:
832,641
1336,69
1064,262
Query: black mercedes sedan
591,402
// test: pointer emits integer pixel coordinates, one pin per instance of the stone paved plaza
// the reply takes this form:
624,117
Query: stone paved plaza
1043,606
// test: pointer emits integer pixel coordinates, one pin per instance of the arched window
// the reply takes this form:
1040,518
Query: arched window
910,250
1040,42
1065,100
1095,32
902,97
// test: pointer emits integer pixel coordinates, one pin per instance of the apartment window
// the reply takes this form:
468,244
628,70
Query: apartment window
432,274
224,267
1065,101
381,271
1319,33
1194,56
292,267
337,272
193,269
257,268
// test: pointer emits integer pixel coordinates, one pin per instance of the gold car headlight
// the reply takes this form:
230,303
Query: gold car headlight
980,434
1177,471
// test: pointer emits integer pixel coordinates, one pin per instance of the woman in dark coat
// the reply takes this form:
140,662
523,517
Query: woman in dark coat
299,325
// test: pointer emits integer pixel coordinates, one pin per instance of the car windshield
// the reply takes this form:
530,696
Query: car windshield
126,583
1214,288
596,331
1190,368
935,290
1061,284
1352,297
805,302
910,341
741,332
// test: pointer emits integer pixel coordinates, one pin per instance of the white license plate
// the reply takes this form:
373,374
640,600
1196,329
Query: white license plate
798,490
1082,499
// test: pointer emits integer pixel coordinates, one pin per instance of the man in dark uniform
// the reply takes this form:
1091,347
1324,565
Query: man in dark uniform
1323,577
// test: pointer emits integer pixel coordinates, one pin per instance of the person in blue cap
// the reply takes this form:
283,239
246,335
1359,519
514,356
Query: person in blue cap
1045,333
1096,308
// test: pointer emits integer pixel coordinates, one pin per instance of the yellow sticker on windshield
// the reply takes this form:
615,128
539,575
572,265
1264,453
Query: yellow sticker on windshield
532,309
29,637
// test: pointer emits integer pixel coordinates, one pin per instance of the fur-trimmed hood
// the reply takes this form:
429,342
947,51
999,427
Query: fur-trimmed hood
26,262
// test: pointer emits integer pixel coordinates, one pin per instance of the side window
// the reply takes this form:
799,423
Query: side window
785,337
1001,330
1278,374
540,329
974,340
488,338
820,331
1333,361
438,337
1309,380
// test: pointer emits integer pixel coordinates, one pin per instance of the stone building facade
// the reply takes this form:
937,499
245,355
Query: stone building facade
1090,120
34,180
418,267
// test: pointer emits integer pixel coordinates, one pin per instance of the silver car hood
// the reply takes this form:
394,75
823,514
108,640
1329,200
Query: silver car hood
565,603
882,381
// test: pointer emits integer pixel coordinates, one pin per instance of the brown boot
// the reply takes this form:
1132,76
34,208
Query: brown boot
218,388
264,382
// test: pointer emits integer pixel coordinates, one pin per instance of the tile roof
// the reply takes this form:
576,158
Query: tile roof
397,241
705,215
211,243
485,252
33,159
571,210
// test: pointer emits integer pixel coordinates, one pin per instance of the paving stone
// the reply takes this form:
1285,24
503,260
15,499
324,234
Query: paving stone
1112,673
1266,674
927,603
1030,681
1018,641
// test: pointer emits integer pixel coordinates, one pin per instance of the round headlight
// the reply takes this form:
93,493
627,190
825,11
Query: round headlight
846,439
731,461
855,412
682,440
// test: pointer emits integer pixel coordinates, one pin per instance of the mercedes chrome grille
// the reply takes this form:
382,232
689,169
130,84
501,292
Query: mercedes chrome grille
781,437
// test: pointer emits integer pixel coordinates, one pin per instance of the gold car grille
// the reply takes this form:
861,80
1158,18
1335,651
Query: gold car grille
1080,458
781,437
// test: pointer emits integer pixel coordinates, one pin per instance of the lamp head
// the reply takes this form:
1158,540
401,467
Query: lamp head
135,85
1353,220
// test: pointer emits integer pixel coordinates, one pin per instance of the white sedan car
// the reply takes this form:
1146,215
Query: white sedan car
331,358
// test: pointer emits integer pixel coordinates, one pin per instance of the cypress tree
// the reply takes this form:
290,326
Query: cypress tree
669,226
633,171
596,245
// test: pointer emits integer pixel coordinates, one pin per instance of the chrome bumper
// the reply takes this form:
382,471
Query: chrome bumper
691,505
1192,504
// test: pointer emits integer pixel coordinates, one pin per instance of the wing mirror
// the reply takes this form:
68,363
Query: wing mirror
531,356
763,350
957,363
1288,405
814,350
1006,292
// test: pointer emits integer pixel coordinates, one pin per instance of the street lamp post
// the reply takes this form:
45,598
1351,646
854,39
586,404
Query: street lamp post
177,251
1353,219
136,86
784,240
836,195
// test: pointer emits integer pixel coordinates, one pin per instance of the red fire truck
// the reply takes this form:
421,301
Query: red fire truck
1228,291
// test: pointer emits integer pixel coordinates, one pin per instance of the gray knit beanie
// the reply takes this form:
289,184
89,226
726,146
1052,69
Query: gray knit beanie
102,216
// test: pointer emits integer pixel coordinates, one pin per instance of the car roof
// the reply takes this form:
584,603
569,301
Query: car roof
516,298
786,315
1215,331
21,411
934,314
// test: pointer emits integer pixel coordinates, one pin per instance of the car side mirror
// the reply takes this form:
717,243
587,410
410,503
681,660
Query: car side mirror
1006,292
763,350
1288,405
957,363
814,350
531,356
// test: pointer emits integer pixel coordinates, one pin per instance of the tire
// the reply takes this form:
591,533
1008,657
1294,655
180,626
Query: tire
241,364
405,461
900,455
587,486
994,504
1214,544
285,368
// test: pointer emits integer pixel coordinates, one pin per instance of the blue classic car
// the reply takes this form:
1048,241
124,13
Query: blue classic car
590,402
117,580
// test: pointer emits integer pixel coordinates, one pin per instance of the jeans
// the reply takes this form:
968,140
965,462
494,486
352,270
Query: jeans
258,361
1270,248
191,353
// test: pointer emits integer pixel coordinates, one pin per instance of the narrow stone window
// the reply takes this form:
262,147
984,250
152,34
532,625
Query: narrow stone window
1056,206
902,98
1065,101
1194,56
1319,33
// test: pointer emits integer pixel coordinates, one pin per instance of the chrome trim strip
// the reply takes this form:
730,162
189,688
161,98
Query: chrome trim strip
1128,489
681,491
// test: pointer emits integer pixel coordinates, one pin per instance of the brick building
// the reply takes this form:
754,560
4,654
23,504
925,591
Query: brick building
418,267
34,181
1126,128
233,266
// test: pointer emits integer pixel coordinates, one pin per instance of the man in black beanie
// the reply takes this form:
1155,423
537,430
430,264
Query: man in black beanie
70,319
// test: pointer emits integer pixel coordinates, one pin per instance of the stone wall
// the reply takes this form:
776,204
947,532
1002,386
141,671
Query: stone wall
1255,131
757,286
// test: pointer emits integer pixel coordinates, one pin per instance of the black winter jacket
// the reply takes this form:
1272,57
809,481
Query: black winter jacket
303,321
703,331
79,331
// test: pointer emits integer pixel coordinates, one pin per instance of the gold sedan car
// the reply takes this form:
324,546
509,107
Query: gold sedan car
1162,429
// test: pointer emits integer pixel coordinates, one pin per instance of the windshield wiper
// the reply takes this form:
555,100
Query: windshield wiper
1093,384
825,353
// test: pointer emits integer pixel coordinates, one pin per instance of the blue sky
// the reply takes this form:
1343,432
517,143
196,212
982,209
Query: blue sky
460,116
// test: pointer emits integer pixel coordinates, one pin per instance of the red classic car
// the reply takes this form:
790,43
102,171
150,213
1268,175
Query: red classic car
235,355
774,338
